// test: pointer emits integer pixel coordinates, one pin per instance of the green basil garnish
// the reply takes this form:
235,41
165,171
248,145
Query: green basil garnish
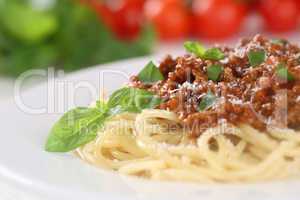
214,72
77,127
256,57
283,73
150,74
207,101
101,105
213,54
133,100
80,125
200,51
195,48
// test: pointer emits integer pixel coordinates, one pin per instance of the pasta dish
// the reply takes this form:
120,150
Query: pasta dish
221,114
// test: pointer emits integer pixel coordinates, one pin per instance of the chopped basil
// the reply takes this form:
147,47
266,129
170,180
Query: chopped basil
283,73
207,101
256,57
195,48
150,74
80,125
214,72
213,54
200,51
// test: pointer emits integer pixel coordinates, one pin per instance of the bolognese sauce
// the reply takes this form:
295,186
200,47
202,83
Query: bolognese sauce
256,82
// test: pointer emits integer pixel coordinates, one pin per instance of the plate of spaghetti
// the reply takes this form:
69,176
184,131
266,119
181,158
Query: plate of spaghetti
214,123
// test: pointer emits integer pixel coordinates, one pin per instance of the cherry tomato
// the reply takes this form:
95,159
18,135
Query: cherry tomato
218,19
279,15
170,18
129,17
124,17
298,4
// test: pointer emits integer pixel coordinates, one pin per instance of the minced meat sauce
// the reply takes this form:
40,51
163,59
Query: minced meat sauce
254,95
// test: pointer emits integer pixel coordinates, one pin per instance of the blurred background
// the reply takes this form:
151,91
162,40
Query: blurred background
75,34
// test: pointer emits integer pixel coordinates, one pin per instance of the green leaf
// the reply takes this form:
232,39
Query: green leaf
213,54
283,73
195,48
207,101
200,51
256,57
132,100
26,23
101,105
77,127
80,125
150,74
214,72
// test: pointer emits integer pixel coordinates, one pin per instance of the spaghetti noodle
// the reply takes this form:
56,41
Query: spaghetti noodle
140,145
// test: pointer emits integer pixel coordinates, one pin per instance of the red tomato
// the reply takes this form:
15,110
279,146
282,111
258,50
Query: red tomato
129,17
170,18
298,4
124,17
279,15
218,19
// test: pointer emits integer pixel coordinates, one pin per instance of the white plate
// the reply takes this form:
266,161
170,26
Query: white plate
26,170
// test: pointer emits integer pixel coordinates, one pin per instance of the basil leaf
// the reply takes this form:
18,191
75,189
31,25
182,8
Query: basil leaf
101,105
132,100
200,51
256,57
77,127
150,74
213,54
283,73
207,101
195,48
80,125
214,72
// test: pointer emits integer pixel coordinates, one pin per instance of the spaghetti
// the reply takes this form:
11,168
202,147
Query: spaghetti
140,145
